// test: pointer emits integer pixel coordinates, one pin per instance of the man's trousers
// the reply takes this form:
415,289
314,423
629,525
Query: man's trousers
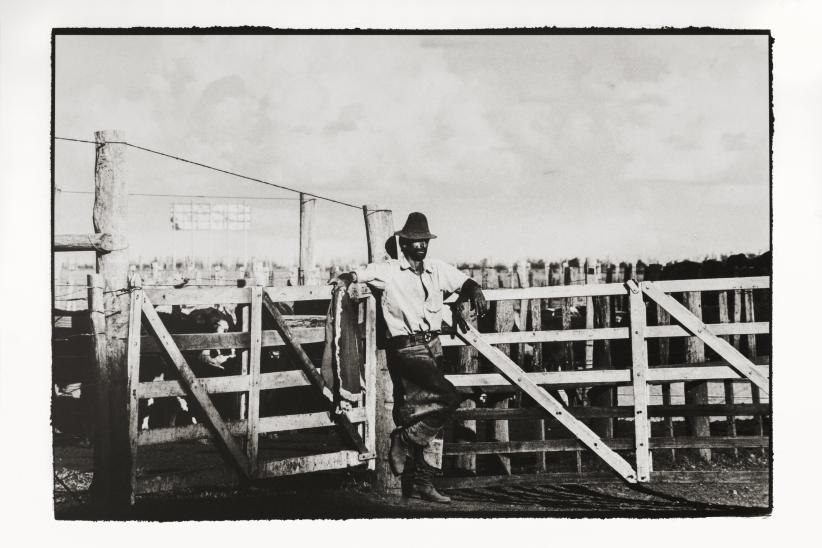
423,398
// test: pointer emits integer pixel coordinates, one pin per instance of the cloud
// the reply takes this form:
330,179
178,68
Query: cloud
499,135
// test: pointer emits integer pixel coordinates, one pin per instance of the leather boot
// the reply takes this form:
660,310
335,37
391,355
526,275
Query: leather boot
429,493
400,452
407,481
422,485
423,488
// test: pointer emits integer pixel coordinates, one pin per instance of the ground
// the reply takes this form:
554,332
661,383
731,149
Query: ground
347,494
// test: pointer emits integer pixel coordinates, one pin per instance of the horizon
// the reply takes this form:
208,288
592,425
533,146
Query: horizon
147,261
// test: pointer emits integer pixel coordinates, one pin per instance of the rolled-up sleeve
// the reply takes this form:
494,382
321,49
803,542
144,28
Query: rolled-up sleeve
375,274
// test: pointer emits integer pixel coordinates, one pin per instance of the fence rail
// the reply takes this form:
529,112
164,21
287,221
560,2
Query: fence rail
614,289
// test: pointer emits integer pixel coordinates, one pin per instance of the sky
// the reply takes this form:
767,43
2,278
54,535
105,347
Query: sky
543,147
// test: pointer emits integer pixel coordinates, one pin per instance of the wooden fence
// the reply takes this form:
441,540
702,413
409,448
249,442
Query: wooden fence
119,307
546,438
251,341
641,329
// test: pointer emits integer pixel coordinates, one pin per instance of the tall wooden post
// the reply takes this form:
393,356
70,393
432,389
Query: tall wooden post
102,441
503,322
696,393
591,277
639,366
379,227
467,364
568,347
537,364
602,396
728,384
752,352
664,347
244,320
111,487
307,205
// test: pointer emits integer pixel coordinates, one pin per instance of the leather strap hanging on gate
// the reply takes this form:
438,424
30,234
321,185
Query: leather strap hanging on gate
341,357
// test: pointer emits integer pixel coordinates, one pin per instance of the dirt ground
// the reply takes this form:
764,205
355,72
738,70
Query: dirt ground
347,494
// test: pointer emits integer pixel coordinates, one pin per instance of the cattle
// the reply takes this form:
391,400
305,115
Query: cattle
163,412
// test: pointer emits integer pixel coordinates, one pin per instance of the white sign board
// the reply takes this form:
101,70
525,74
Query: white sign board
199,216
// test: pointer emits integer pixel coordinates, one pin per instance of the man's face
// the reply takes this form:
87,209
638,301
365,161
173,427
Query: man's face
414,249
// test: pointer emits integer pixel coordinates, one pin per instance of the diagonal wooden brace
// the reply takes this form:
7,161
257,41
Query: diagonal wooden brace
518,377
297,354
192,384
740,363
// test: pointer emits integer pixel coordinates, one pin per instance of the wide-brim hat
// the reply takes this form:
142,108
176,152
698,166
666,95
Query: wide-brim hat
416,228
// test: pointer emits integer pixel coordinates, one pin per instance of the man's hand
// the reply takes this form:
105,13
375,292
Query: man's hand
471,291
346,278
457,321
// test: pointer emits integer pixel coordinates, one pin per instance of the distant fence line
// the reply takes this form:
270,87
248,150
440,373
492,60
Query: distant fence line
573,271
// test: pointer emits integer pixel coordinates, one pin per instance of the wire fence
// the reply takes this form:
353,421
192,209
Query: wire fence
213,168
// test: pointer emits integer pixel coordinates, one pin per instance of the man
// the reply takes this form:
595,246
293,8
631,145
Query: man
412,290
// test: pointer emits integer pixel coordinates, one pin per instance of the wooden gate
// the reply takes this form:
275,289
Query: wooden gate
238,440
637,373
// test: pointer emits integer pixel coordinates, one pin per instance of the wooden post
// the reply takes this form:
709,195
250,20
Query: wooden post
503,322
255,342
244,318
371,394
728,385
588,275
696,393
735,340
112,459
639,366
591,276
467,364
379,227
307,206
568,350
521,278
751,339
663,318
602,396
100,426
575,395
537,364
134,332
627,274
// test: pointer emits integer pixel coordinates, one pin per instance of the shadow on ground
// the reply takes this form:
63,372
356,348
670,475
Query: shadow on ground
339,496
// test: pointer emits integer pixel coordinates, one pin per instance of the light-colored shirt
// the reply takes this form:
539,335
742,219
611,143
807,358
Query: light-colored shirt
412,303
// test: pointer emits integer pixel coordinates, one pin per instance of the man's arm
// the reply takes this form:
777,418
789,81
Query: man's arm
374,274
451,279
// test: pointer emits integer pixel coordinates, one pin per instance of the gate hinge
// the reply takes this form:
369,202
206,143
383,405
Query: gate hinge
367,456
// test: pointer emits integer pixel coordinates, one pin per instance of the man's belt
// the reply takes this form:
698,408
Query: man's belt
414,339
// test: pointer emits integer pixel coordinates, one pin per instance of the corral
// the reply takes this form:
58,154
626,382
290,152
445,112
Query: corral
577,377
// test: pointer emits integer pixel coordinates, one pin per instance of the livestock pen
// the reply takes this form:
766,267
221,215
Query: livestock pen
544,387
